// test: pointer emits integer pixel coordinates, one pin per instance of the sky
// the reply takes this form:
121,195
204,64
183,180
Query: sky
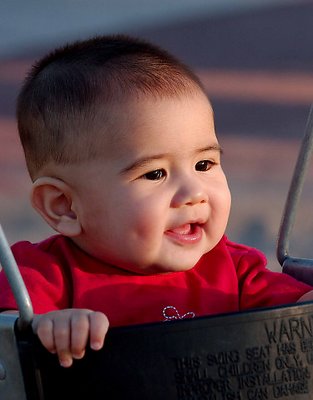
34,23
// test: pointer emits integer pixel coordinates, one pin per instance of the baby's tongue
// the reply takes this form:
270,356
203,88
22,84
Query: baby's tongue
182,230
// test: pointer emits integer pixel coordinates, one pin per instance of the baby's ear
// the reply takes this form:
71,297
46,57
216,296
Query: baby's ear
52,198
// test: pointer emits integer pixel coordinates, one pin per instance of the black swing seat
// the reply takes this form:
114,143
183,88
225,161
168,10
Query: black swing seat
260,354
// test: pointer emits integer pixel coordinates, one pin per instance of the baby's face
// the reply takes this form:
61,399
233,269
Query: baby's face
158,199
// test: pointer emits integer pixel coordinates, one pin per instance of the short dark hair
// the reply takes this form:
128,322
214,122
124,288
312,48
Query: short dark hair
64,91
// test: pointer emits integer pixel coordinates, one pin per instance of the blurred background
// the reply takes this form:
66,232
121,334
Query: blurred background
255,58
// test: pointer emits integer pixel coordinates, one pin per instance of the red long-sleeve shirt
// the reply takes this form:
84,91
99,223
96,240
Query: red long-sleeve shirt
231,277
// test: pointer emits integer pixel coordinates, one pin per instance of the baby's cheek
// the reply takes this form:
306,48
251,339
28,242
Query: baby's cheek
147,222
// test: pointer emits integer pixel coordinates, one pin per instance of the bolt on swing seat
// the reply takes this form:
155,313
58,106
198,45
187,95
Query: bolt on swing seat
258,354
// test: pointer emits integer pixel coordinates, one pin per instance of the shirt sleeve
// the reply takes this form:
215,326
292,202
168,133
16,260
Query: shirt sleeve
260,287
47,284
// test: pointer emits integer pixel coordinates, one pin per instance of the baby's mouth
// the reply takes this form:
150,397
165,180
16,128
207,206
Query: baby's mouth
187,233
184,229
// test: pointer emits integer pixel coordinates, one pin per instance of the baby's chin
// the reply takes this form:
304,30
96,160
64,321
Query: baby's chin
173,262
176,266
158,269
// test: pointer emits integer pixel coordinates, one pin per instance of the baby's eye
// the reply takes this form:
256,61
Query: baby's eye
204,165
155,175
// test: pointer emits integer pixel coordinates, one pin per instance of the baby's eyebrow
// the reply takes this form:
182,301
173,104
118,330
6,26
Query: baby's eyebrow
213,147
141,162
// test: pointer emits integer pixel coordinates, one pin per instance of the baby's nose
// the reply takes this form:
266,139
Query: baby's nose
189,193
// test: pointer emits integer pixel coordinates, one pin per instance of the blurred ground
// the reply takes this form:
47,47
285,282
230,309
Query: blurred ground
256,65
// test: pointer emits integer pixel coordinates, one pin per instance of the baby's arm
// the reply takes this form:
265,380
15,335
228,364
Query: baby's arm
66,332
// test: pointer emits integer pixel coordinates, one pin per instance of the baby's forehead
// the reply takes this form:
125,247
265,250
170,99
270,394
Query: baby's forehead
132,108
132,105
132,134
137,121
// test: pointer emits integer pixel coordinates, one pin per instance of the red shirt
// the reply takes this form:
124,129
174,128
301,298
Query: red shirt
231,277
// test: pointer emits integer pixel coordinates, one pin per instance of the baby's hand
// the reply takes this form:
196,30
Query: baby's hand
306,297
66,332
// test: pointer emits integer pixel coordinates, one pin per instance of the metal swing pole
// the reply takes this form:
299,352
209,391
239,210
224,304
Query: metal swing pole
301,268
17,284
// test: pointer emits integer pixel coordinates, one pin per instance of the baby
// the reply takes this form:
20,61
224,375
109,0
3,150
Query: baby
120,144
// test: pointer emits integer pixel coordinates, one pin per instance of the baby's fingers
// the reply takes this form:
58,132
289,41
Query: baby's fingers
79,334
43,326
99,325
62,341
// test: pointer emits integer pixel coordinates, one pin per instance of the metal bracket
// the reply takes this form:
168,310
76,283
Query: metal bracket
11,377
